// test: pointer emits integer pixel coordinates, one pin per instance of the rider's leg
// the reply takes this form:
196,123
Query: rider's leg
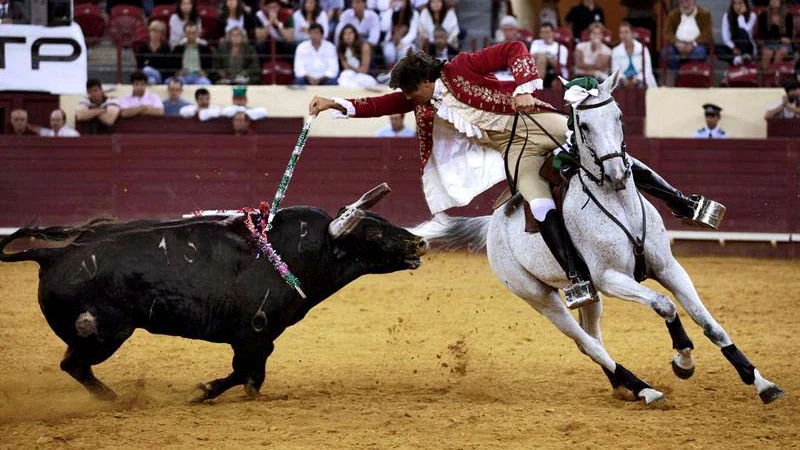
648,181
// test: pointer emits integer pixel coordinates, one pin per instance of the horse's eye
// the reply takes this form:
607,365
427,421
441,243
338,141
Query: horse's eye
584,127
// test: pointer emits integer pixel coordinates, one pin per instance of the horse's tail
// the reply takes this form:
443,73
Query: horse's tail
51,239
455,233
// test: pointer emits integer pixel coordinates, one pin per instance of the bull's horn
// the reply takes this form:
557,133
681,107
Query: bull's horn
372,197
352,214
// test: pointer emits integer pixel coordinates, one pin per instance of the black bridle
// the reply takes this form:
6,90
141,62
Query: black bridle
598,160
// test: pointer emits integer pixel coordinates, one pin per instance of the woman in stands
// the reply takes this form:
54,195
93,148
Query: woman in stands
154,57
632,59
310,12
236,61
438,13
738,24
776,29
355,58
185,11
593,57
403,33
233,16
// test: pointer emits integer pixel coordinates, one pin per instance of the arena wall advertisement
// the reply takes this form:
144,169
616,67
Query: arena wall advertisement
43,59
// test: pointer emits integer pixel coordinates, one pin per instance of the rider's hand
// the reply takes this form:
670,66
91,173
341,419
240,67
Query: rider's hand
319,104
525,103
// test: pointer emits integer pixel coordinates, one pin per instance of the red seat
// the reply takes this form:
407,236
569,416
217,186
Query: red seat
745,75
127,30
162,13
126,10
642,35
563,35
281,71
779,74
606,35
209,17
694,74
92,22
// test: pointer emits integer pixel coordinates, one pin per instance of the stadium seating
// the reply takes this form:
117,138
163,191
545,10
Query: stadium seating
745,75
209,16
162,13
126,29
92,22
695,74
779,74
277,72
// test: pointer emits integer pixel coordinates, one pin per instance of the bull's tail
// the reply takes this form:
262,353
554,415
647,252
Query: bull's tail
45,241
455,233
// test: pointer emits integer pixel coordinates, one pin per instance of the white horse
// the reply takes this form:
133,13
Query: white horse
524,264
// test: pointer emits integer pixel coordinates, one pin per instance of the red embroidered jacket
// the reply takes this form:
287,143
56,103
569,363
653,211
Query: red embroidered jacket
469,77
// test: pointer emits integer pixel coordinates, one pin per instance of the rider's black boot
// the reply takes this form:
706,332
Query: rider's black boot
580,292
696,210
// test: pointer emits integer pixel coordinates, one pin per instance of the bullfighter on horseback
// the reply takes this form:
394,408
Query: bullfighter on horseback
462,110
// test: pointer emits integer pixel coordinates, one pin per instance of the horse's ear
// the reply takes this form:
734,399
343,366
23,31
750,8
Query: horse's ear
611,82
563,81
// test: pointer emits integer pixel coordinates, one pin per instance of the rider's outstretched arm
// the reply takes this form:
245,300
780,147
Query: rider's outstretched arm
382,105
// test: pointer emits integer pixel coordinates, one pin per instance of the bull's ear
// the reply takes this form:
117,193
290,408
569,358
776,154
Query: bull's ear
372,197
345,222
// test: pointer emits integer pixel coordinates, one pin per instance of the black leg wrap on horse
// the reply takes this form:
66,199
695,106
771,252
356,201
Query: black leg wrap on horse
680,340
651,183
740,363
558,241
629,380
611,377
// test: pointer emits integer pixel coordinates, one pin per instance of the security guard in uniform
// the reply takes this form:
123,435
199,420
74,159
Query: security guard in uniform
712,129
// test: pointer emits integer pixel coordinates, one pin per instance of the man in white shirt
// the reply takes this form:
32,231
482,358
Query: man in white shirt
58,126
396,128
550,56
140,102
366,22
315,60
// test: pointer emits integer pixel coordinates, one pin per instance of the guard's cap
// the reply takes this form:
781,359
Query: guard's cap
710,108
240,91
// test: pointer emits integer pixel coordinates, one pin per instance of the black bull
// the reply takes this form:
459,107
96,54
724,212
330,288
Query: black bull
199,278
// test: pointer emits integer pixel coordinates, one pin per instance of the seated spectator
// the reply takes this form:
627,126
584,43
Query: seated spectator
396,128
58,126
333,9
789,106
593,57
355,57
738,24
96,108
203,110
632,60
440,49
366,22
193,57
403,33
275,23
19,123
241,124
510,31
549,13
173,103
140,102
712,129
309,13
154,57
551,57
236,61
582,15
315,62
776,29
233,16
438,13
240,105
12,12
185,12
689,32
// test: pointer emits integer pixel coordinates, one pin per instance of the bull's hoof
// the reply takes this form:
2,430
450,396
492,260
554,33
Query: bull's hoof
651,396
104,393
205,393
251,390
771,394
680,372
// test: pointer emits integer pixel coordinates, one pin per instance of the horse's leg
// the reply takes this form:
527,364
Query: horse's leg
677,281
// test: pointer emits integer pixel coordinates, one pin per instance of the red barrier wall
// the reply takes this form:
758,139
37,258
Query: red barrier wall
66,181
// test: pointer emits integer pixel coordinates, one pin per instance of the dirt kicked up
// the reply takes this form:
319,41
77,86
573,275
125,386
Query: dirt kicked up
440,358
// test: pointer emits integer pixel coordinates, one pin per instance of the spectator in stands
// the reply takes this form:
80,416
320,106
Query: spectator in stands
333,9
396,128
438,13
549,13
234,16
689,32
154,57
96,108
203,110
593,57
641,14
193,57
738,24
355,57
58,126
403,33
510,31
19,122
173,103
789,106
366,22
712,129
776,29
441,49
309,13
185,12
239,101
140,102
582,15
241,124
315,62
12,12
275,23
551,57
236,61
632,60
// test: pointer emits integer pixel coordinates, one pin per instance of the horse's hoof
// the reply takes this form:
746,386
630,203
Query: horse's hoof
650,396
680,372
624,394
771,394
205,389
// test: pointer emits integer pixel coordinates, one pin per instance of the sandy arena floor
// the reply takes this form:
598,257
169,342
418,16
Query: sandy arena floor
440,358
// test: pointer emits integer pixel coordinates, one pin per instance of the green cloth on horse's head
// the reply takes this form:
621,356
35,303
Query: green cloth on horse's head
587,83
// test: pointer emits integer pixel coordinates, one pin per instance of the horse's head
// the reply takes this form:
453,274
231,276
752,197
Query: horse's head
598,134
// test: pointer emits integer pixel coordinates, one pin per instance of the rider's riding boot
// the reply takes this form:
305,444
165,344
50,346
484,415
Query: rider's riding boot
695,210
580,292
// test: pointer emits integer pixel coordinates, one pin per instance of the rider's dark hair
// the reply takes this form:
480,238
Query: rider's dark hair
416,68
